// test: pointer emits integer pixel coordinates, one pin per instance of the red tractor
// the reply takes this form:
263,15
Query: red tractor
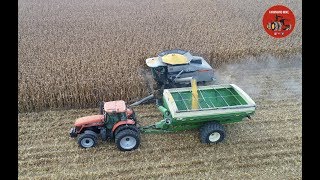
116,122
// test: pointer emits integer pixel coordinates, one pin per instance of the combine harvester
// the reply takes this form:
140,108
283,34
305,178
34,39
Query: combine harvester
174,69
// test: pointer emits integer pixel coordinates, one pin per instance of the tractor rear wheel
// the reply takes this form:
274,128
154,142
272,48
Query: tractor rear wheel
212,132
88,139
127,140
127,126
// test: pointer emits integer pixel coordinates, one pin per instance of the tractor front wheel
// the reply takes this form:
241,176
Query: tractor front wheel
212,132
88,139
127,140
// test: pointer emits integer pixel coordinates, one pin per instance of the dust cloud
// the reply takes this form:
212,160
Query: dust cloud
147,79
254,74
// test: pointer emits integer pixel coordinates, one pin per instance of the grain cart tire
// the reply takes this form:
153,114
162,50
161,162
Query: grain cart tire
212,132
127,140
88,139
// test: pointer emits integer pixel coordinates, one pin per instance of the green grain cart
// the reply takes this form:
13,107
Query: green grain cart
212,107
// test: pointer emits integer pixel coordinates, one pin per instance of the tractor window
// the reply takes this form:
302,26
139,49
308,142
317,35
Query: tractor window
106,117
122,116
113,117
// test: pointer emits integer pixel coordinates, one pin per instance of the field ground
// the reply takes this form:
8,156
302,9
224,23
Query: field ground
267,147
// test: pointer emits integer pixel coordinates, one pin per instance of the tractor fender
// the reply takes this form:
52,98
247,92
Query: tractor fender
128,121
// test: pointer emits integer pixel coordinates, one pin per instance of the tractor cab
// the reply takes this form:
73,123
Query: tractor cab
114,111
117,110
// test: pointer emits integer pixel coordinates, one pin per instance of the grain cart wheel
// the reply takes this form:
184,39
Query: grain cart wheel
212,132
127,140
88,139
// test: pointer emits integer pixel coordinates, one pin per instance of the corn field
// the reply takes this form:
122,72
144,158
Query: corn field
72,54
